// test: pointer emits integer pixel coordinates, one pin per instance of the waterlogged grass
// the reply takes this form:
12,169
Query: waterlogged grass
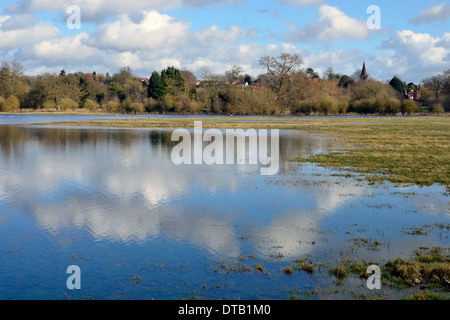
400,150
428,269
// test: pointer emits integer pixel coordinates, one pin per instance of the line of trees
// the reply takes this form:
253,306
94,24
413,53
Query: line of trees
285,88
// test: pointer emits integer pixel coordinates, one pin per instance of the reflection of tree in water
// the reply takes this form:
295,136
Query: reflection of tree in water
162,138
16,138
14,141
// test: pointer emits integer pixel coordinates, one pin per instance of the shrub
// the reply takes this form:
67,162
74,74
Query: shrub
325,105
343,105
392,106
12,103
437,108
3,106
130,106
49,105
152,105
167,103
68,104
364,106
91,105
306,106
195,107
137,107
386,106
409,107
113,106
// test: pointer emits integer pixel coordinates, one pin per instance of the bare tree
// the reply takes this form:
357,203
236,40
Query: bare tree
280,71
234,74
447,81
437,84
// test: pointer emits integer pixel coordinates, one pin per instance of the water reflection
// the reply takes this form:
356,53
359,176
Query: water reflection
120,185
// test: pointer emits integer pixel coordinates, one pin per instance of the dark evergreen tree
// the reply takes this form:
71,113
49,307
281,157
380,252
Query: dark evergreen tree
398,84
346,81
156,89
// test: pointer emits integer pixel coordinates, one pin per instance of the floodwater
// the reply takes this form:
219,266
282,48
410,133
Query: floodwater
112,202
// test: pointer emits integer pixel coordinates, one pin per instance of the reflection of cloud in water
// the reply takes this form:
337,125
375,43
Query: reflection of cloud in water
293,233
121,186
135,222
331,197
123,224
212,233
434,206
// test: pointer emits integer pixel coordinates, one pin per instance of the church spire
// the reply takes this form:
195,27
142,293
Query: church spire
364,75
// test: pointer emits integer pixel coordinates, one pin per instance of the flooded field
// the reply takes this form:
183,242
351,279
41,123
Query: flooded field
112,202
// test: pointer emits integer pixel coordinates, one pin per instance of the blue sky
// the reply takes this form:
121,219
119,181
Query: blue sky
413,43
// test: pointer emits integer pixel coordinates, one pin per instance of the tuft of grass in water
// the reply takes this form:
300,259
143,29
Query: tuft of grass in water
340,272
135,279
259,267
360,269
430,269
287,270
415,231
306,265
369,244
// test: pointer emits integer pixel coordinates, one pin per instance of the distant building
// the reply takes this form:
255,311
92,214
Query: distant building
412,95
90,77
364,75
145,81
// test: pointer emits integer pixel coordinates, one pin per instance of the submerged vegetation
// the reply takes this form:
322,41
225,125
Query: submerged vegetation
424,276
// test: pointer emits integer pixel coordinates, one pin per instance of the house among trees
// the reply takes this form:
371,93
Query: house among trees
145,81
410,94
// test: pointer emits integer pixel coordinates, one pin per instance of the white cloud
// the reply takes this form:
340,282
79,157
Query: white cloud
15,34
418,54
438,12
154,31
98,10
151,41
342,61
332,25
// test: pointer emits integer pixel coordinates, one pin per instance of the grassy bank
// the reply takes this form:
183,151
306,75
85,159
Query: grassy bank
400,150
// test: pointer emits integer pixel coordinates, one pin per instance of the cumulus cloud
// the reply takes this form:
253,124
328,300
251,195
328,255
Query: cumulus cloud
438,12
342,61
98,10
418,53
332,25
154,31
15,33
147,41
